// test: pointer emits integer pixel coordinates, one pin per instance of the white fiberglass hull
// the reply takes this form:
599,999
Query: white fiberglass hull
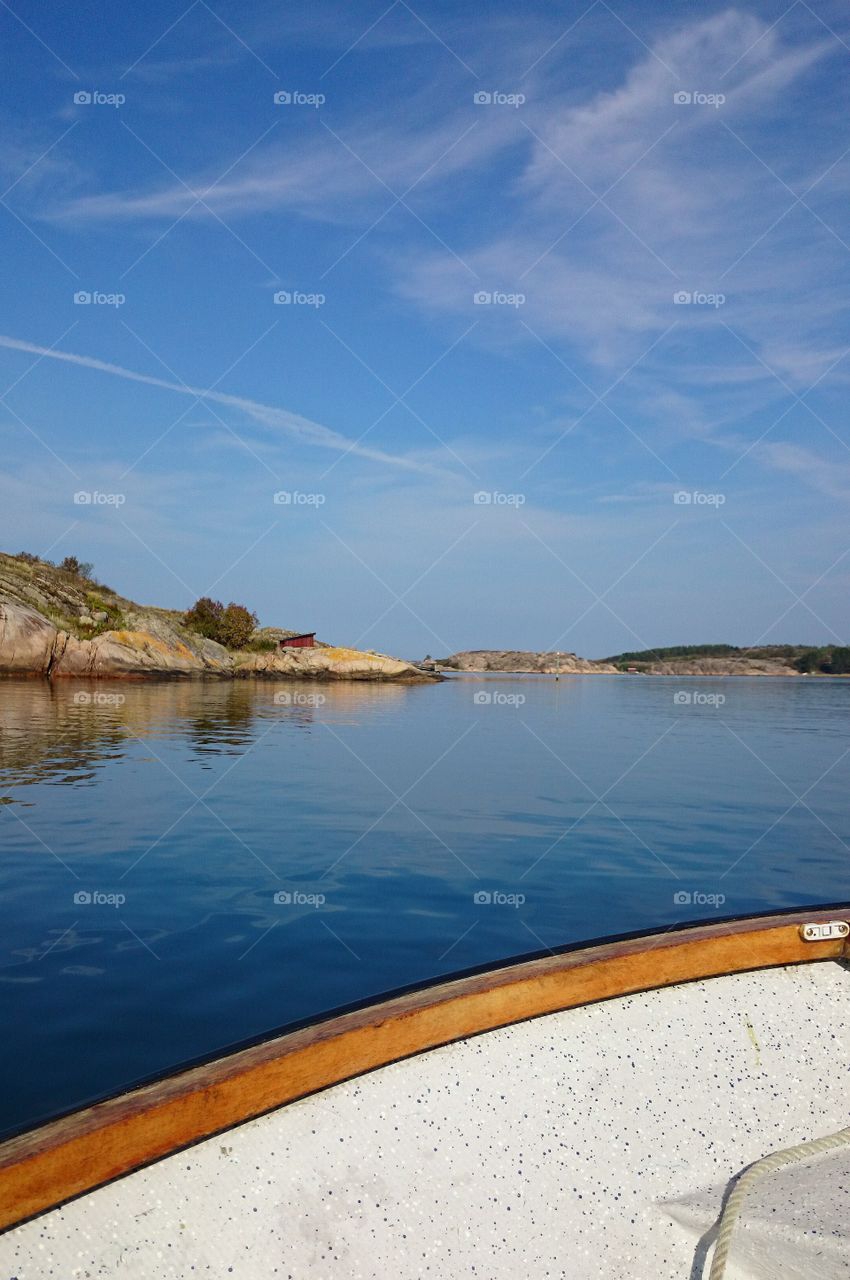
597,1141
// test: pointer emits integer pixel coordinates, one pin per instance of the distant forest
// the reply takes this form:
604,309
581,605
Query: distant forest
827,659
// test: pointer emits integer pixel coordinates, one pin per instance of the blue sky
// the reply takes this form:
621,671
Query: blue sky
578,166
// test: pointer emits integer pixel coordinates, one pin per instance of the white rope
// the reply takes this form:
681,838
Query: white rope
768,1164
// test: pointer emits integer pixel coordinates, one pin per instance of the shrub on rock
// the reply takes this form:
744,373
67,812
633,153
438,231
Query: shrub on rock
231,626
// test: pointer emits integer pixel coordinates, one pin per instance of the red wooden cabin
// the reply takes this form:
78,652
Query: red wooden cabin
305,641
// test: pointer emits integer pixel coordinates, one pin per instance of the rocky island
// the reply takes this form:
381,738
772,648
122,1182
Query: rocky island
519,660
679,660
58,621
731,660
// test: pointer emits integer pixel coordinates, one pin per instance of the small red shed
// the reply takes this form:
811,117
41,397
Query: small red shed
305,641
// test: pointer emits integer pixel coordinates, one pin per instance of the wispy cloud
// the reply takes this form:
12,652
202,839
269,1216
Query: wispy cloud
269,416
821,473
682,197
331,173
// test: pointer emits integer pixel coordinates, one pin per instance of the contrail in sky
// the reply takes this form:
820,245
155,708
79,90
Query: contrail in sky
267,415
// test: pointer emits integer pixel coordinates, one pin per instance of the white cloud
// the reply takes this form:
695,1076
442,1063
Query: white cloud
823,474
330,172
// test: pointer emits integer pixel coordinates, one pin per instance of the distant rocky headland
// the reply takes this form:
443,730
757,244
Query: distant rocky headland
58,621
520,660
678,660
730,660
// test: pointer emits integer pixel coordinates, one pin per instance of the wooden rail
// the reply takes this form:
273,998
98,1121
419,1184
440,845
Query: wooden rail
49,1165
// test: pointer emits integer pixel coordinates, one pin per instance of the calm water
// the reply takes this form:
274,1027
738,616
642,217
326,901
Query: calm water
381,818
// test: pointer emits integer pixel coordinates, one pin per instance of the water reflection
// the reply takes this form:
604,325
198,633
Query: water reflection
64,731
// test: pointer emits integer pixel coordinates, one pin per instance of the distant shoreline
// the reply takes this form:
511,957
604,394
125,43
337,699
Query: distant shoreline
680,661
451,673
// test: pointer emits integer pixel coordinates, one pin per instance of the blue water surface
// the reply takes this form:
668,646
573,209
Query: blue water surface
187,865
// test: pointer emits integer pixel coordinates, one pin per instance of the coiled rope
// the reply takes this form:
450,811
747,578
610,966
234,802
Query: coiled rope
768,1164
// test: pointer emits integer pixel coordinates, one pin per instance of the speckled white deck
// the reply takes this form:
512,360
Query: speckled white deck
591,1143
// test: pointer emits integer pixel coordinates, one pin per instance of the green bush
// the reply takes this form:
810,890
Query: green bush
830,662
237,626
231,626
204,617
839,662
80,568
809,661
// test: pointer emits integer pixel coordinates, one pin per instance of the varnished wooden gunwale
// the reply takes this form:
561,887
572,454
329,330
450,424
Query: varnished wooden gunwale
64,1158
